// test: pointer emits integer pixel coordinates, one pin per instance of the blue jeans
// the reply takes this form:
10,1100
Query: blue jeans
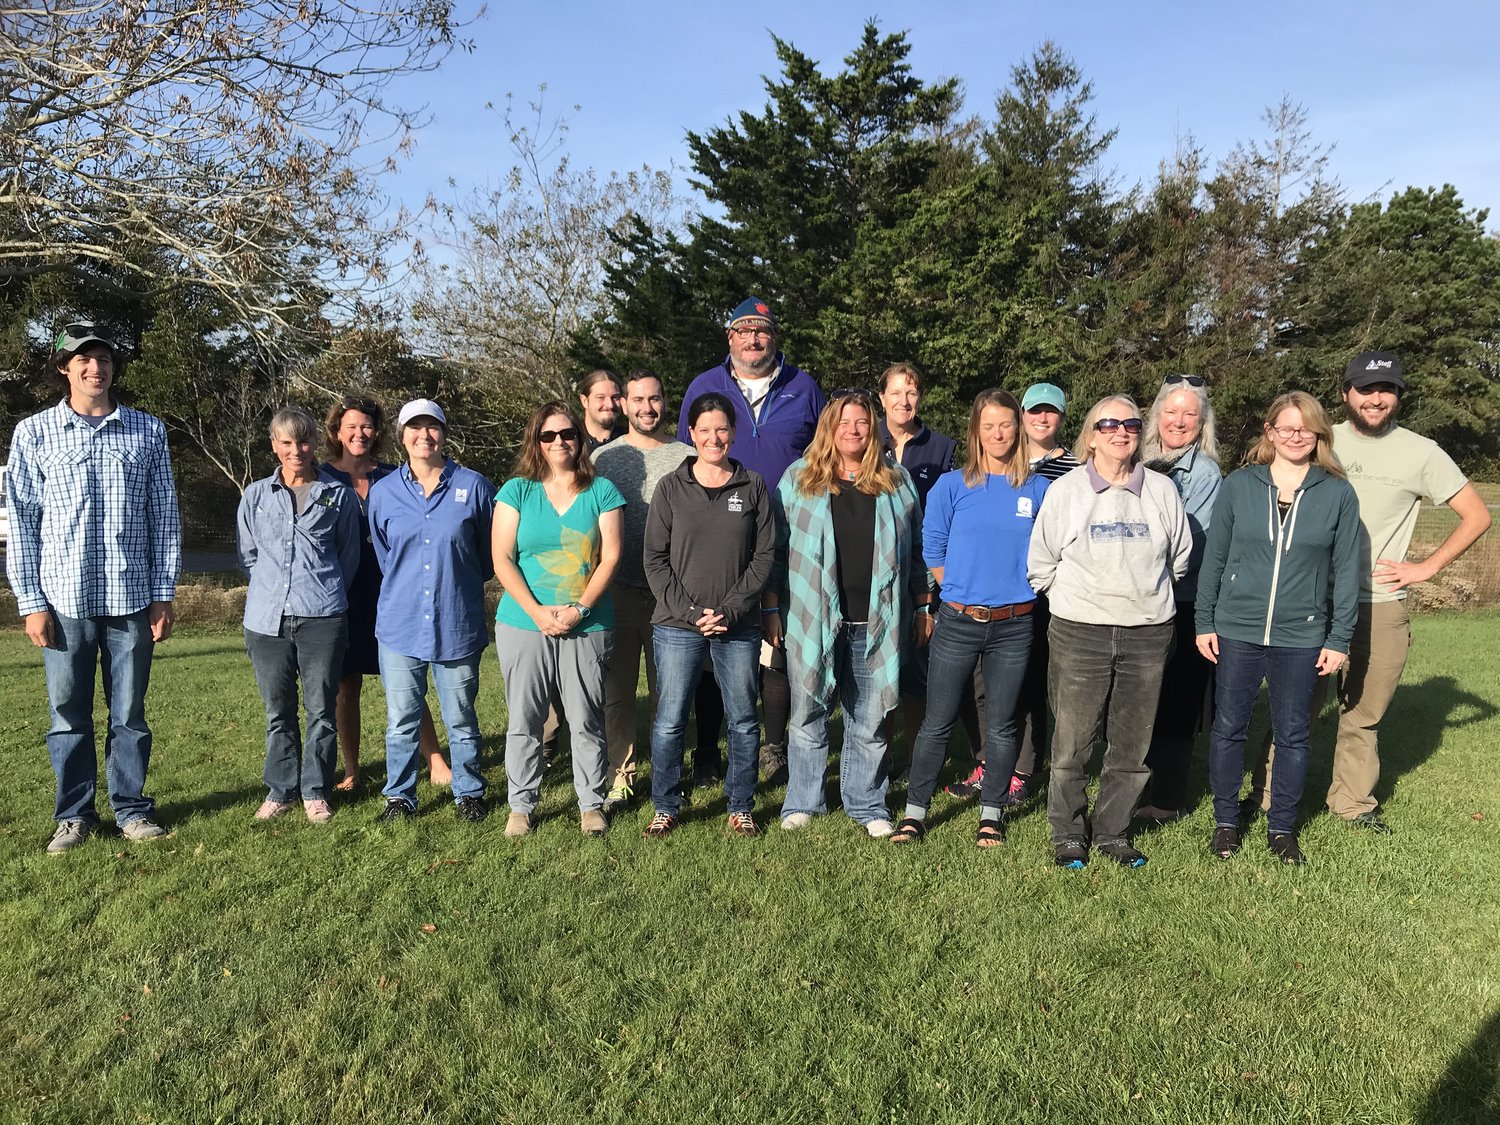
310,649
1000,649
862,763
1290,674
679,661
457,684
122,647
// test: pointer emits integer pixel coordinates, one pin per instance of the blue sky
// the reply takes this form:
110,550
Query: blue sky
1409,94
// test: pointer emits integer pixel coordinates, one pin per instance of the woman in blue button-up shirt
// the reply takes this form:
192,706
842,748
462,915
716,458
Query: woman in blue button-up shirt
299,541
430,527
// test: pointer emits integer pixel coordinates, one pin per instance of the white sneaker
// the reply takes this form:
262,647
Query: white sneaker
880,829
793,821
68,835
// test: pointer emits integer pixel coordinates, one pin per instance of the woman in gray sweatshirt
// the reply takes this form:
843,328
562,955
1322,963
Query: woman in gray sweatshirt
1110,542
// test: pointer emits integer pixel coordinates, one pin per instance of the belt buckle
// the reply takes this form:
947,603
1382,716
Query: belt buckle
980,613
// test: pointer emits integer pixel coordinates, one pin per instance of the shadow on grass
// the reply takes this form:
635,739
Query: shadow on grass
171,810
169,651
1418,719
1469,1089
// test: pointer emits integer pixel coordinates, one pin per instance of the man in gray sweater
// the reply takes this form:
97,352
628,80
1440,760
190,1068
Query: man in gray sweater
633,464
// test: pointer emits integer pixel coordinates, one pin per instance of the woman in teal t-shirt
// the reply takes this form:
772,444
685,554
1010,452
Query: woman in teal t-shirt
556,542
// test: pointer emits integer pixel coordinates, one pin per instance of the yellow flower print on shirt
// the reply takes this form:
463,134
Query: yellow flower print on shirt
572,563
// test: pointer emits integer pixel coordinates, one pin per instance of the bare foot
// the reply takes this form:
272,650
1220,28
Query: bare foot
439,773
347,783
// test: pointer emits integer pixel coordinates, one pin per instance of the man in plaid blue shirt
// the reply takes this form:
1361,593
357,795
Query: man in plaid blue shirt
93,559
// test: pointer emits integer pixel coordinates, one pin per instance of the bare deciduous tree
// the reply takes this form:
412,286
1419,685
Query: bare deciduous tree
235,141
507,275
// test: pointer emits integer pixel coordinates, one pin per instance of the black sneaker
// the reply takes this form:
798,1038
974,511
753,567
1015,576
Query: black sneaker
1226,841
1249,810
1373,821
773,765
471,809
707,771
395,811
1122,853
1071,852
1284,847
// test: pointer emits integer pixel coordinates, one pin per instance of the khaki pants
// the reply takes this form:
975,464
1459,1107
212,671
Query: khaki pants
633,610
1377,657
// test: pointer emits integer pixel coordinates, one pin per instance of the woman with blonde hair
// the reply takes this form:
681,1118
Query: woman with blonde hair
1278,596
849,553
1110,542
974,539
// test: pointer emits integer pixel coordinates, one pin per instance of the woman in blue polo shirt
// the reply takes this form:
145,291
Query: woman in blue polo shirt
299,541
430,526
556,543
975,535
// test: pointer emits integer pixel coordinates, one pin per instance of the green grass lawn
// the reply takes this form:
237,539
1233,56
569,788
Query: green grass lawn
437,972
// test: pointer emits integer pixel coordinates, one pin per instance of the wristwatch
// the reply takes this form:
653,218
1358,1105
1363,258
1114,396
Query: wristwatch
583,610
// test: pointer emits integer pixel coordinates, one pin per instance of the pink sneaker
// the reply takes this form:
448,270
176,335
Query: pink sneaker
270,810
317,811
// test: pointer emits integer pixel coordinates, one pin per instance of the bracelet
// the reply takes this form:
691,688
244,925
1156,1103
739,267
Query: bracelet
924,607
767,610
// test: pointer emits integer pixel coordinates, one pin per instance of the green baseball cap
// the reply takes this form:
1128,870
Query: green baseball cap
73,338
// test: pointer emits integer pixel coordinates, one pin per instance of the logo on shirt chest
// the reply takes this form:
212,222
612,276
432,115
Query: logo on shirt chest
1023,507
460,495
735,504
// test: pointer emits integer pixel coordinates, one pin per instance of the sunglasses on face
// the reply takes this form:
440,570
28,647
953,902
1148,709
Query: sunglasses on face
1110,425
1190,380
547,437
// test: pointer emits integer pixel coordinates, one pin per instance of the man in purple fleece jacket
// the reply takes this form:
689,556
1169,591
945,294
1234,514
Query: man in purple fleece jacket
779,412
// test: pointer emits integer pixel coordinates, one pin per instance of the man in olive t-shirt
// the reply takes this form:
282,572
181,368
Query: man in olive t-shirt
1392,471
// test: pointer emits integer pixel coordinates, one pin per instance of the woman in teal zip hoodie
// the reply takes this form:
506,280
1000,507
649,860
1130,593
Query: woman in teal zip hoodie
1277,599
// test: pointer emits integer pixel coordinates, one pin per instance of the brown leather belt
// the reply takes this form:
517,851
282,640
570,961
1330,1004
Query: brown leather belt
988,613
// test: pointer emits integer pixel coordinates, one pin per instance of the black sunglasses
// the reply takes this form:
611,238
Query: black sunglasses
848,392
1110,425
547,437
1190,380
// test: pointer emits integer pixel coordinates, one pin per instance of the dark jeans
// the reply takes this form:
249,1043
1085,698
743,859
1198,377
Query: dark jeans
959,643
1094,668
1179,712
1290,674
309,649
1031,711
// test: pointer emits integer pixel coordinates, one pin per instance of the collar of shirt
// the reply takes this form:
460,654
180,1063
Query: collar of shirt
918,438
415,488
1136,482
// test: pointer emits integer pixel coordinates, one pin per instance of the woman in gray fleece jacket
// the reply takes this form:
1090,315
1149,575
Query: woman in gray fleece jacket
1111,540
1277,600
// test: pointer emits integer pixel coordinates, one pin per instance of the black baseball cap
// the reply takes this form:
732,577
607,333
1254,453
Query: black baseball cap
1368,368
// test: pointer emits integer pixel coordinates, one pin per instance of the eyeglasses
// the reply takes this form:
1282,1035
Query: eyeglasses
752,330
1110,425
1287,433
359,406
547,437
1190,380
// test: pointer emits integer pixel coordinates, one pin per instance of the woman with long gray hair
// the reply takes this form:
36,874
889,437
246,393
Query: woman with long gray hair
1179,440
